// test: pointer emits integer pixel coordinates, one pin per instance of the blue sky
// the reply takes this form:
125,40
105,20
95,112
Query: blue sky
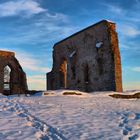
31,27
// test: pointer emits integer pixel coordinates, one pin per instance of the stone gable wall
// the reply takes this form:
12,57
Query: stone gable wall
90,59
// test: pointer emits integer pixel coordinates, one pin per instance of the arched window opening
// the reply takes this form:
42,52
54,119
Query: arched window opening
7,73
86,74
63,74
99,44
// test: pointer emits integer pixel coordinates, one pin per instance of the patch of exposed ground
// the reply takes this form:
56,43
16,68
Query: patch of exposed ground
136,95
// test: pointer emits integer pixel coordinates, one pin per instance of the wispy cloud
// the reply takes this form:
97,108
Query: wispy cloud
32,66
48,27
136,69
114,8
120,12
37,82
131,85
130,31
28,61
22,7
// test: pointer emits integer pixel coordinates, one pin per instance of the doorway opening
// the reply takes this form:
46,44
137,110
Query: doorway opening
86,74
63,74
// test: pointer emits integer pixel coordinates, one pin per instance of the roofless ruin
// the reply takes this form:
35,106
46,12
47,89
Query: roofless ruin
88,60
12,76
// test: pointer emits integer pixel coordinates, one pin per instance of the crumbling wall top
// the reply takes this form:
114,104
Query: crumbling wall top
6,53
110,24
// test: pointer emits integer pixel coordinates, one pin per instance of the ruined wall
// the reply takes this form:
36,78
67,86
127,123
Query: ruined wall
18,83
88,60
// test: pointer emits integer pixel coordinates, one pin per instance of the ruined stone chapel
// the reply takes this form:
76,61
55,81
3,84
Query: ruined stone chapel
12,77
88,60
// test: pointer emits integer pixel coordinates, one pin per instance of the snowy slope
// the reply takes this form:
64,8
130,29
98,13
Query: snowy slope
74,117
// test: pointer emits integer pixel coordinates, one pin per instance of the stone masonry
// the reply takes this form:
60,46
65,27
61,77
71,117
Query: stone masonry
17,78
88,60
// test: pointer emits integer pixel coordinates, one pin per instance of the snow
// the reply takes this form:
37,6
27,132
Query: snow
110,21
72,54
69,117
99,44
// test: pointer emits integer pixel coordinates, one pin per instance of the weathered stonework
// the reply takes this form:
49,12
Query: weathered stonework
17,81
88,60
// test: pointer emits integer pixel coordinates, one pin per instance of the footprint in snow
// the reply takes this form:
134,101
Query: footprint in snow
133,137
127,124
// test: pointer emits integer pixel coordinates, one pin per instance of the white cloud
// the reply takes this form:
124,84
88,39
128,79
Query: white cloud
26,7
137,69
130,31
124,46
37,82
114,8
28,62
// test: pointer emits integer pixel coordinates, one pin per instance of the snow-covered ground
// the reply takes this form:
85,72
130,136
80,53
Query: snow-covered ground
75,117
